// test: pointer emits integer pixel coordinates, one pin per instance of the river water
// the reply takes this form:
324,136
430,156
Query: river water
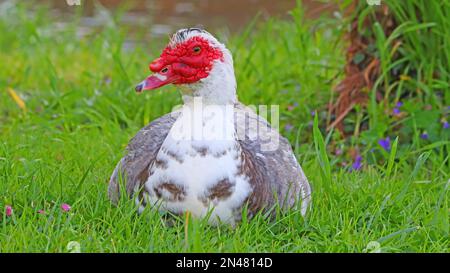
165,16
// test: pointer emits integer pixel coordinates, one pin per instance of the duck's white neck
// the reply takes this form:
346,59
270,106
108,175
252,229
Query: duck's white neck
218,88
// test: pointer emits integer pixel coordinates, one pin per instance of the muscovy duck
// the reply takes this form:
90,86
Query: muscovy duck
213,156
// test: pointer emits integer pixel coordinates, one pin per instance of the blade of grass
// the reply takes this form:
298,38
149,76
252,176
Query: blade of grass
391,158
322,157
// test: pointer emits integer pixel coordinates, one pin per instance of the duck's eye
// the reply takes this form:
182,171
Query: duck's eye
197,49
164,70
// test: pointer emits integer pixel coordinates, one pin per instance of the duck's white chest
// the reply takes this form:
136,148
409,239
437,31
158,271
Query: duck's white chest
198,168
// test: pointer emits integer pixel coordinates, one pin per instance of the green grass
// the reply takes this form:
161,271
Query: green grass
81,111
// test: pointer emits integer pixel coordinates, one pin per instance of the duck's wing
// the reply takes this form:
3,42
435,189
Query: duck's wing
132,170
269,162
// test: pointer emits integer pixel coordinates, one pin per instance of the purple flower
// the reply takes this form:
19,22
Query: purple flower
357,164
396,111
313,113
424,135
292,106
445,125
65,207
399,104
8,210
288,127
107,79
385,143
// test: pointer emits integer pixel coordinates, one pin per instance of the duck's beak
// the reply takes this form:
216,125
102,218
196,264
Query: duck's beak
162,75
153,82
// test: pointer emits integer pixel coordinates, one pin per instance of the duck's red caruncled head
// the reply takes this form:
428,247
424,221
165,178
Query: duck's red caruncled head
188,58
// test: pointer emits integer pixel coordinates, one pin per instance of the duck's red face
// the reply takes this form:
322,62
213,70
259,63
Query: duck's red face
185,63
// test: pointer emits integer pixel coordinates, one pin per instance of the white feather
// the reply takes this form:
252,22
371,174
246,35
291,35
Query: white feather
214,131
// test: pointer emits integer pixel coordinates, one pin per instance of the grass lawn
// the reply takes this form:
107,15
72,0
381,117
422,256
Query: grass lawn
80,110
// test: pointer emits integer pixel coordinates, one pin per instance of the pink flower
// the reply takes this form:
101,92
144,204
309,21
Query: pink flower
8,210
41,211
65,207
